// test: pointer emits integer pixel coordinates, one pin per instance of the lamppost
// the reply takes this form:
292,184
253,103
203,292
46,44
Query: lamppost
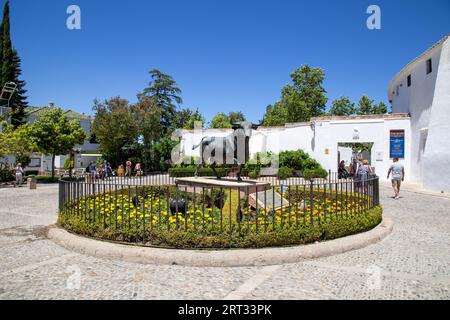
6,94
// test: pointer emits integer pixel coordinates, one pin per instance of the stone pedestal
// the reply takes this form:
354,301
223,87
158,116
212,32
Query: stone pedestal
32,183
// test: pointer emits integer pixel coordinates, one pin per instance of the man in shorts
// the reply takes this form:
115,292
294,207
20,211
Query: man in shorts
398,175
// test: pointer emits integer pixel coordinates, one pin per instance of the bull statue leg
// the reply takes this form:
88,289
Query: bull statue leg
213,167
239,165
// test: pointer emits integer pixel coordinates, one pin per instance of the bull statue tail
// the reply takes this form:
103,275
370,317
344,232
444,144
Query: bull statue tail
195,146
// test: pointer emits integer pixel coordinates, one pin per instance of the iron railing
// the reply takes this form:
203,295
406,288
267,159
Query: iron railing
155,202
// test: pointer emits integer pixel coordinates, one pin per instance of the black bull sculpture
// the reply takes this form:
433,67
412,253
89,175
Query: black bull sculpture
231,148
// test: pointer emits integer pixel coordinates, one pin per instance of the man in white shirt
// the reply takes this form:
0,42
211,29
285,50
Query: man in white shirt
398,175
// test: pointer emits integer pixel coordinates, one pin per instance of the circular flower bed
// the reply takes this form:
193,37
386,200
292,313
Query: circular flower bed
167,217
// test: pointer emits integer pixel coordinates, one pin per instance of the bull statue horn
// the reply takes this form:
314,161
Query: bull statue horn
256,126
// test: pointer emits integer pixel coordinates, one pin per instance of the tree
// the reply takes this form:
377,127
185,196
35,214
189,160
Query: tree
379,108
55,134
236,117
17,141
365,106
166,92
115,128
148,113
275,115
219,121
305,98
196,117
10,70
342,107
182,116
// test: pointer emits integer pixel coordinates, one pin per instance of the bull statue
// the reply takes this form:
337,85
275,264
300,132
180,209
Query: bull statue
228,145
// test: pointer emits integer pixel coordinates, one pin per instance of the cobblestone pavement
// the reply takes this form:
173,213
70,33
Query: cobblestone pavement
412,263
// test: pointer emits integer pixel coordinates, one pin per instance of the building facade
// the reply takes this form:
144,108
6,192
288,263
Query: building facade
327,139
83,154
422,89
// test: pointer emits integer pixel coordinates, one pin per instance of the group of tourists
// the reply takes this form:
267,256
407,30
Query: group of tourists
361,171
105,171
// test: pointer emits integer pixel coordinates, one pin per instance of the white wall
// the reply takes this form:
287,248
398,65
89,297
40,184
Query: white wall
417,100
436,157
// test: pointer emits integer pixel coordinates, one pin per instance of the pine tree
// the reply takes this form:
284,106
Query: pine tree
10,70
18,100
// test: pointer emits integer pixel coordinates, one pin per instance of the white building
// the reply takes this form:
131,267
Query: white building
417,132
321,138
87,152
422,89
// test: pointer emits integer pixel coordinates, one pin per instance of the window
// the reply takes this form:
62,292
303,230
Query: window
408,80
429,66
397,89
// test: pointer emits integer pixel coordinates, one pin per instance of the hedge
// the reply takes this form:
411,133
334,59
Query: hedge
286,235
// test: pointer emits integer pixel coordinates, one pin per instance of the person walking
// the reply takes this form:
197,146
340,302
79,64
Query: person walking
19,175
137,169
342,172
128,168
398,175
364,171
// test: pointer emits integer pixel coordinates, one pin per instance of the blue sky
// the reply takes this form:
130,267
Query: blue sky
225,55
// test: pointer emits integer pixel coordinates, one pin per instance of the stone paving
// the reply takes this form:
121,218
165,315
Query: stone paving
412,263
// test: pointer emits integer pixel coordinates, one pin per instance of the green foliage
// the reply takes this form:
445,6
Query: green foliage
297,160
54,134
17,141
46,179
301,100
275,115
365,105
223,121
236,117
254,174
311,174
6,175
166,94
196,117
380,108
342,107
115,129
230,237
219,121
10,70
284,173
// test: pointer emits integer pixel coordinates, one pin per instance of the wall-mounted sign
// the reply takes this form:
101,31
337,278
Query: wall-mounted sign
397,144
379,156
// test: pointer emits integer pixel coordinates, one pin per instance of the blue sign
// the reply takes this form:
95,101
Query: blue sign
397,144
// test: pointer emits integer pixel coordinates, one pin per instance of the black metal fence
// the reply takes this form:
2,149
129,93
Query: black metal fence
153,203
163,178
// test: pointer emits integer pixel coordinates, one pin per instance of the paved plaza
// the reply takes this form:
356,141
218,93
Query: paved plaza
412,263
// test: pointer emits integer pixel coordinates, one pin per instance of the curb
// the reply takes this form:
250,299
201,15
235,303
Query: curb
215,258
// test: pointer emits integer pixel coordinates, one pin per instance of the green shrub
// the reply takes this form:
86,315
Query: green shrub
297,160
254,174
310,174
6,175
46,179
32,173
284,172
